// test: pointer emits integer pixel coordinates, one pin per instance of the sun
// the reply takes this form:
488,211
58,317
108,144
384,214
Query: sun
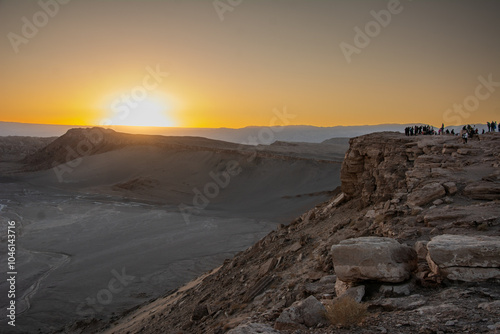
148,112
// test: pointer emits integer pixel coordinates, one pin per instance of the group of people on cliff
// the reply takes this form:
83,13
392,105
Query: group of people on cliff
492,126
468,131
419,130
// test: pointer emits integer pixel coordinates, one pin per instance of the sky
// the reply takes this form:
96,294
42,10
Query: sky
236,63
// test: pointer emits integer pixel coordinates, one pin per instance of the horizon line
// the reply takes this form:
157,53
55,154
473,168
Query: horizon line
229,128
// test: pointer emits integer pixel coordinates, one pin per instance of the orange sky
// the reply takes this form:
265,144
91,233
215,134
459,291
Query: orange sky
92,62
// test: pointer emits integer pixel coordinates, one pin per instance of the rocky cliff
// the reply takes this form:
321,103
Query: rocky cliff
414,237
384,166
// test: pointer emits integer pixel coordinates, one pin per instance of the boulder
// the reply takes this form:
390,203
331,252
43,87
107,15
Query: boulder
465,258
373,258
252,328
426,194
308,312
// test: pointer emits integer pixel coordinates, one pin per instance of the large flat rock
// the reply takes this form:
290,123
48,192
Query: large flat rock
373,258
465,258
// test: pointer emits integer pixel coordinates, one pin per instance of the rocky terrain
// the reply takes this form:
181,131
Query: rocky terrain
413,236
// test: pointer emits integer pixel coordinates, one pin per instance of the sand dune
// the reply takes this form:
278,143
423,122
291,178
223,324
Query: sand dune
191,171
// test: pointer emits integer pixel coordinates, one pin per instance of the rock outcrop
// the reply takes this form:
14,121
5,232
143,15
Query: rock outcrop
380,165
465,258
374,172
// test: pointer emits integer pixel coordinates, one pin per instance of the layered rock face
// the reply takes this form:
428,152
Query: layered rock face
374,172
379,167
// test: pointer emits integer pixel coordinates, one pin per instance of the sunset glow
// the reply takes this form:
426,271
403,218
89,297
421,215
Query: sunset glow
149,112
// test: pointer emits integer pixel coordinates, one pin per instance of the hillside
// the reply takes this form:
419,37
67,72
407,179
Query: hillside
265,182
81,142
415,190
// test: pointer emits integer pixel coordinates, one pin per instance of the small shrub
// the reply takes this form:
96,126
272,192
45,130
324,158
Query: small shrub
345,311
